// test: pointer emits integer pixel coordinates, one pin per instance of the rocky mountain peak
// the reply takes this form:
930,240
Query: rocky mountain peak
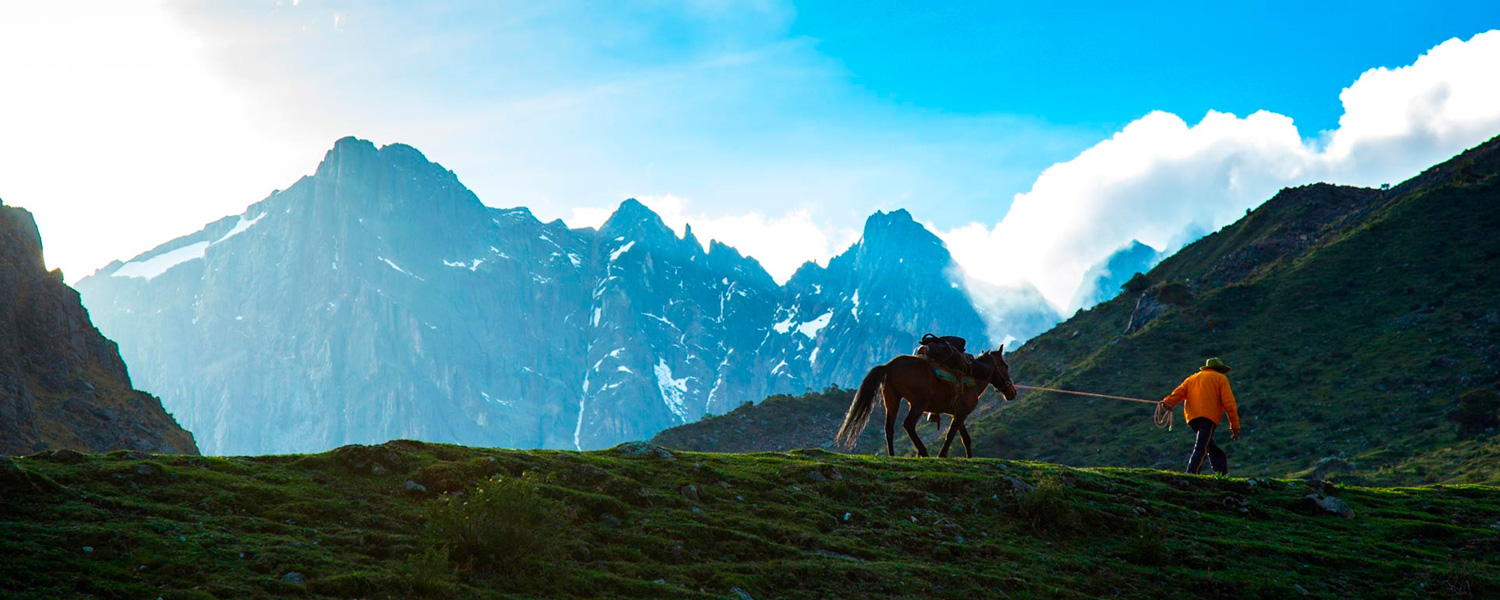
637,223
897,235
347,155
725,258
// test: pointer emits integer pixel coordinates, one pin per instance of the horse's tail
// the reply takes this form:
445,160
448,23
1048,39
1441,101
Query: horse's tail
860,409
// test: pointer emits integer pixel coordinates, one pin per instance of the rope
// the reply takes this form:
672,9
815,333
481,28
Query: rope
1162,418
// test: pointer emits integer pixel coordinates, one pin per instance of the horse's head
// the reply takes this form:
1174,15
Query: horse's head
999,372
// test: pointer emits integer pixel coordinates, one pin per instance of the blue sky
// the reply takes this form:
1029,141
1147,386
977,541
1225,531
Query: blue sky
775,126
1104,64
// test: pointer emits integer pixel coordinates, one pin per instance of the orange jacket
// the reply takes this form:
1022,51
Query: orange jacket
1207,395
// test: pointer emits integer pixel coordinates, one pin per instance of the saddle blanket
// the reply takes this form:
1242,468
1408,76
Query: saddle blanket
950,378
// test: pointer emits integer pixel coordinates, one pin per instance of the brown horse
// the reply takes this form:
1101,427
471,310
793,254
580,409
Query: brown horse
912,378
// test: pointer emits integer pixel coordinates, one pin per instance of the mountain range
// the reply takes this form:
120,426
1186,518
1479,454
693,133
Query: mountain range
378,298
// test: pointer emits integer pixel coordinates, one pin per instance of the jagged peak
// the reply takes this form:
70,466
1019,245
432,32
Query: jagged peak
896,226
354,152
806,274
632,217
727,258
345,153
403,153
717,248
632,208
882,218
1136,246
893,235
518,212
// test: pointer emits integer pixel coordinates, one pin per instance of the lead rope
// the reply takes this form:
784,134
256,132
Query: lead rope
1162,418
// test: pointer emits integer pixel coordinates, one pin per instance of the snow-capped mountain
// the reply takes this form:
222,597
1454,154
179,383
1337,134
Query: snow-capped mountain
379,299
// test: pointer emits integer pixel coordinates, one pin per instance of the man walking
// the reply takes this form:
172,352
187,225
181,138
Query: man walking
1207,398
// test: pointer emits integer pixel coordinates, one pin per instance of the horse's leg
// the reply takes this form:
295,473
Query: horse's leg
892,406
953,427
963,432
914,414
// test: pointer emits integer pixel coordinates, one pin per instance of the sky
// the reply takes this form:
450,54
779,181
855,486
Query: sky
1034,138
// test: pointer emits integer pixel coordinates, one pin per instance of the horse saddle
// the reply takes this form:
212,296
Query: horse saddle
948,351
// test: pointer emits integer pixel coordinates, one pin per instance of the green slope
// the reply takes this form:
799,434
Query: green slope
1353,318
637,522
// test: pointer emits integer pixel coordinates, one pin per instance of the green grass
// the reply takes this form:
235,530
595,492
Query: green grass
633,523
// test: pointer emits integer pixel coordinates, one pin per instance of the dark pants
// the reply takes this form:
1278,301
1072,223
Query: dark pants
1204,446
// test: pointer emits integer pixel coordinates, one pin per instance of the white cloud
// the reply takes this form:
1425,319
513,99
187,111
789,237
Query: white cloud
781,243
1159,176
1399,121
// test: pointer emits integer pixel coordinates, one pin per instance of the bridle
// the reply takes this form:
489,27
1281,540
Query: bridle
986,359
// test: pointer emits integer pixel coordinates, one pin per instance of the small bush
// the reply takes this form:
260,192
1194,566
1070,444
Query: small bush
428,573
501,525
1174,293
1050,509
1478,411
1138,283
1148,546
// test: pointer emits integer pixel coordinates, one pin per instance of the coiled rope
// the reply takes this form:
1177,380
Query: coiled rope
1162,418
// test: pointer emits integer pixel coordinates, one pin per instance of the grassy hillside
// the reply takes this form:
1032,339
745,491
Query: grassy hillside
640,522
1354,320
799,422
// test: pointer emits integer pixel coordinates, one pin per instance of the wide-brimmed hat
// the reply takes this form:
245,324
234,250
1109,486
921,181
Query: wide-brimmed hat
1216,364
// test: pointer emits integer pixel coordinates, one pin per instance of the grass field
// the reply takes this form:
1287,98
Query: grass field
641,522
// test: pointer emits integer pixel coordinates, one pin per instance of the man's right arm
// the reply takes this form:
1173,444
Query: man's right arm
1177,395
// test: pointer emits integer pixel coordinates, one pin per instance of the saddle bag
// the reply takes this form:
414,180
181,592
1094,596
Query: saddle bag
947,350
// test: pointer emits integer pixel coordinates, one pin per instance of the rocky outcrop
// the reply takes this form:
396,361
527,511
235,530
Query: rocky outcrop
62,384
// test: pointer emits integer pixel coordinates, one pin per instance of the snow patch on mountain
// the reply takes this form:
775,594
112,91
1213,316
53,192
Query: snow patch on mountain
398,268
613,256
811,328
672,390
786,324
240,227
472,265
153,267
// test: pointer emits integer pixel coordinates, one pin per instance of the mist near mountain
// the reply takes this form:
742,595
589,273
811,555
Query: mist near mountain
1104,280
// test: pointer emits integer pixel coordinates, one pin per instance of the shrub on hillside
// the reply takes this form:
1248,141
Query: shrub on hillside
1478,411
1175,293
1051,508
1138,283
503,524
